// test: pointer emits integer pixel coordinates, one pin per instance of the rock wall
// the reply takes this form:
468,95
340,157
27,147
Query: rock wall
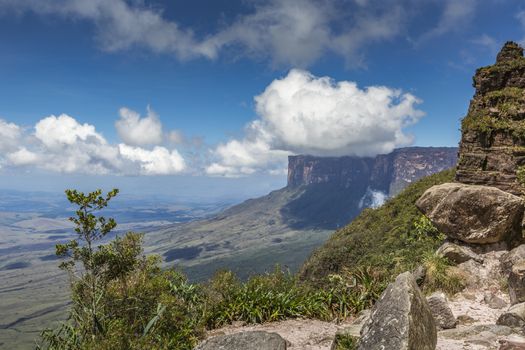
492,148
388,173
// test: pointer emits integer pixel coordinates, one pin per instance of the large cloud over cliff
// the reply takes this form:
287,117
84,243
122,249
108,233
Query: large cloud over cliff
305,114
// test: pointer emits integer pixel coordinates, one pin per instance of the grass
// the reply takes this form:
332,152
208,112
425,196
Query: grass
151,308
388,240
345,342
441,275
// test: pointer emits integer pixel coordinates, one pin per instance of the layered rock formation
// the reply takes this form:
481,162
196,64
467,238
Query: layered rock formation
388,173
492,150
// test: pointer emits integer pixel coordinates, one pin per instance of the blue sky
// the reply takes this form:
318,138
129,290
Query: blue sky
228,89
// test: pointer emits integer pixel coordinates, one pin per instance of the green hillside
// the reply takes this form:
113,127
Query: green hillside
390,239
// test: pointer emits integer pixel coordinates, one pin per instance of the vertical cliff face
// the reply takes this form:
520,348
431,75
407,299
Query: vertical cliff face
388,173
343,171
492,147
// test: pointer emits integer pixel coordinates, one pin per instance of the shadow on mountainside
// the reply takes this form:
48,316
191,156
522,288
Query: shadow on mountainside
323,206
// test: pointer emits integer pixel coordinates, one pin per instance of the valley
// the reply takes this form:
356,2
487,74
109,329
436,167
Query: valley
282,228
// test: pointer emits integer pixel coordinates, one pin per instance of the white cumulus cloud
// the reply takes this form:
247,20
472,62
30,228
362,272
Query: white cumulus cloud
137,131
9,135
55,132
62,144
305,114
159,161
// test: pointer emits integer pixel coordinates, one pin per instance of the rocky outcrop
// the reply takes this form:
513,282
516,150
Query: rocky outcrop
401,319
256,340
441,311
386,173
473,214
456,253
492,149
516,283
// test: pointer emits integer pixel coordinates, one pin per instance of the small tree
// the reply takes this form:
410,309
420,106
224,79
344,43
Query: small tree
121,299
83,261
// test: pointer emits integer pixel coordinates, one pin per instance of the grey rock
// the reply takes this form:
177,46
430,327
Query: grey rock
400,320
442,313
508,259
465,320
511,345
472,213
493,301
256,340
476,332
457,253
516,283
513,317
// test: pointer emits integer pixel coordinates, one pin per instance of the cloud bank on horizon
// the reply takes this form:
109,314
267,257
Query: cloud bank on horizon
62,144
297,114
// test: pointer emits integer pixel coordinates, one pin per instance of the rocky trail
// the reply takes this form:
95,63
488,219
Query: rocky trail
476,310
478,307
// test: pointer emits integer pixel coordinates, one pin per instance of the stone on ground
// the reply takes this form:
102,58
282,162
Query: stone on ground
457,253
400,320
517,283
508,259
473,214
514,317
245,341
493,301
441,311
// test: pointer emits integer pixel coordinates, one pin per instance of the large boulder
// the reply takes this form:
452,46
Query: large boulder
400,320
255,340
516,283
473,214
442,313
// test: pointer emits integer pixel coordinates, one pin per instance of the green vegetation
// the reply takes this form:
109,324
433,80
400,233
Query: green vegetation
441,275
345,342
388,240
122,299
499,110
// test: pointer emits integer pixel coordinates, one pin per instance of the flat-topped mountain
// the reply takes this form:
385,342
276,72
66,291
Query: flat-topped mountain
388,173
284,226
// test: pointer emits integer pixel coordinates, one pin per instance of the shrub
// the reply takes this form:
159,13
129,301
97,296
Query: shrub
441,275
